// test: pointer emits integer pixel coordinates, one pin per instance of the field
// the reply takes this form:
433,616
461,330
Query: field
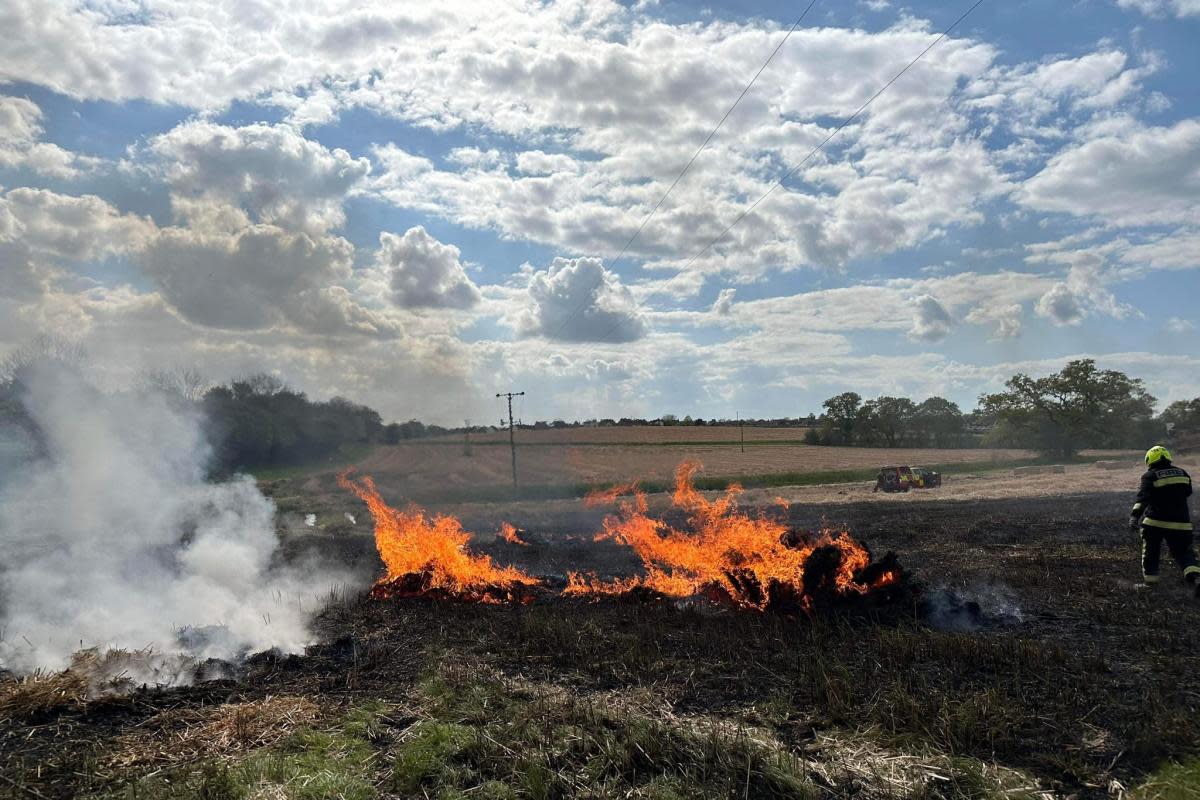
1064,681
551,462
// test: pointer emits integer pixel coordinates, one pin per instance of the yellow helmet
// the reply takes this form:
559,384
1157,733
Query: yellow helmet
1157,453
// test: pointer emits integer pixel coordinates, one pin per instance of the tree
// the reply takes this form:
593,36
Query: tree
939,422
1184,415
888,417
1080,406
843,414
185,383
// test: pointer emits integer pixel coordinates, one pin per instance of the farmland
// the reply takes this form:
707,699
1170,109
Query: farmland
1014,663
1046,693
430,470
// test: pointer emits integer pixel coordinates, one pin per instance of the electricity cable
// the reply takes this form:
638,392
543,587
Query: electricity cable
686,168
792,170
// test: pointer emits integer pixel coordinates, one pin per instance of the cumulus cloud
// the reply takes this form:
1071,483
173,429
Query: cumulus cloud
1006,319
20,132
270,171
724,302
931,321
259,277
1124,175
536,162
81,227
42,231
1061,305
422,272
578,300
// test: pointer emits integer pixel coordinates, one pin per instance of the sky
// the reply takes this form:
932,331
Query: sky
419,205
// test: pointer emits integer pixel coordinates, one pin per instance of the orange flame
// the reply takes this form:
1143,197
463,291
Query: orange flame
429,556
729,553
509,534
600,497
725,554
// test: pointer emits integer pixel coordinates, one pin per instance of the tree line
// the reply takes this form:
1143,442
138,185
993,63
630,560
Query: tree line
888,421
259,421
1080,407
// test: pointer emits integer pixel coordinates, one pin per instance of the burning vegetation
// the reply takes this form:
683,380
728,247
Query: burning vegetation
427,557
720,554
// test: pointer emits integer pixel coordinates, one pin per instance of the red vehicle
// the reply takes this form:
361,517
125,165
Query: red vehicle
927,478
895,479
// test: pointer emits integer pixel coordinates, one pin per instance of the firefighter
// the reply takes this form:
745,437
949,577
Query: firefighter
1161,512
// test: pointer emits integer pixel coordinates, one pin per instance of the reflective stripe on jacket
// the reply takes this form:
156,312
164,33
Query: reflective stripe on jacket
1162,498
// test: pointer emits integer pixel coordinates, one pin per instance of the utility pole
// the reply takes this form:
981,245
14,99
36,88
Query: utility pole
512,436
467,438
742,430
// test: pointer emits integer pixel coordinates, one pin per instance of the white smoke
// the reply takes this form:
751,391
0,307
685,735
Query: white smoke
112,538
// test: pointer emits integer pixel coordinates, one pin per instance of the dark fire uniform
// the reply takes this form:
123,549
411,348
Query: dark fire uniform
1162,504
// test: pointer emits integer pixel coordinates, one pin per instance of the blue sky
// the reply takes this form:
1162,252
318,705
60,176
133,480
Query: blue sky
417,206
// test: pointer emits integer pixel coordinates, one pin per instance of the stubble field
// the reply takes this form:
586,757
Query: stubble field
437,468
1061,681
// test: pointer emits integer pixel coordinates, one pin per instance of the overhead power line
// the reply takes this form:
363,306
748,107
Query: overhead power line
792,170
686,167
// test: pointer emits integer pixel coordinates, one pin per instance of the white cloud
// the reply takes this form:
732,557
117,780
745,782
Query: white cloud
535,162
260,277
931,321
578,300
42,232
1125,175
73,227
625,97
421,272
1159,8
723,305
270,171
20,132
1005,317
1180,325
1061,306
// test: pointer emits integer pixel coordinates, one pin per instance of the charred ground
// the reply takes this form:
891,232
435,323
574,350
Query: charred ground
1075,682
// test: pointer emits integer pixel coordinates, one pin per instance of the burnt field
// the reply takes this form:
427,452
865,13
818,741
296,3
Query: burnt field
1027,666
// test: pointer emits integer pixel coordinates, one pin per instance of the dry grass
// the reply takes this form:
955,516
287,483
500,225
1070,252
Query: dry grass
91,674
415,468
22,698
179,736
648,434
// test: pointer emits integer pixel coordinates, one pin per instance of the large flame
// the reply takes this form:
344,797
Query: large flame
723,554
424,556
752,561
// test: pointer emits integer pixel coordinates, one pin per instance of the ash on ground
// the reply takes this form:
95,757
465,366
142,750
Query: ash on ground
971,609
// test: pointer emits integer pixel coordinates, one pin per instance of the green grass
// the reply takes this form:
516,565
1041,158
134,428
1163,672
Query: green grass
333,763
1172,782
489,736
514,742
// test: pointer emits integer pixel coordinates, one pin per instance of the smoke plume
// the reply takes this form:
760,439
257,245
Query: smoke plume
112,537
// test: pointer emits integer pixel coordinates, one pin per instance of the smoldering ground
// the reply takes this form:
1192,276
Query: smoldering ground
113,538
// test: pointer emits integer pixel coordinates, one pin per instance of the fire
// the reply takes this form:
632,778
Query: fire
722,554
424,556
601,497
509,534
751,561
